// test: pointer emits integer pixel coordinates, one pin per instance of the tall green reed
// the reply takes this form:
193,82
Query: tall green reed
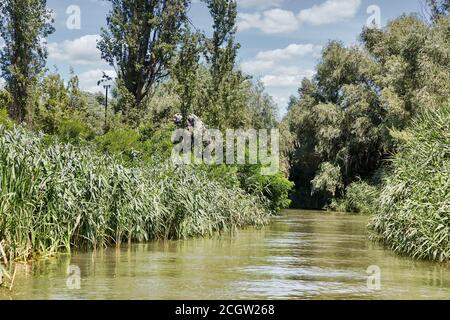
413,217
54,197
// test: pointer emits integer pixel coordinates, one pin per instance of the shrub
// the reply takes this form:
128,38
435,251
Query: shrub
414,213
360,197
5,121
74,130
275,188
157,146
123,143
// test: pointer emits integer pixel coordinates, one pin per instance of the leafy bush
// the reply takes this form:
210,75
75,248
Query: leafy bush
328,179
54,197
157,146
275,188
5,121
360,197
414,213
149,146
227,175
4,101
123,143
73,130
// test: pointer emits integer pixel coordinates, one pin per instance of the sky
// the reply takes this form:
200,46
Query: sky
281,40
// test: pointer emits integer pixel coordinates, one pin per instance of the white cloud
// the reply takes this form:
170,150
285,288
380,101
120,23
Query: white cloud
78,51
292,51
88,79
257,66
270,21
268,61
284,21
279,68
280,100
331,11
286,77
260,4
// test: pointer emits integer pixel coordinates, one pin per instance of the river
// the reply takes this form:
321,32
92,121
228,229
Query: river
300,255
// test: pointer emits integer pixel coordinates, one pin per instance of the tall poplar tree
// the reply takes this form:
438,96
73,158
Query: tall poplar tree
221,55
24,24
185,69
139,42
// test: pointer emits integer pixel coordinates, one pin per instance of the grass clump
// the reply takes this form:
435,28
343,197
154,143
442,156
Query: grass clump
54,197
414,210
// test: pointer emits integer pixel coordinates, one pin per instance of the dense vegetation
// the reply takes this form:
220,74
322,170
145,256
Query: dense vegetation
340,126
77,174
56,196
342,133
368,133
414,206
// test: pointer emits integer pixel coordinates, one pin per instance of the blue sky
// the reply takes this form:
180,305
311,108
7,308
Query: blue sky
281,39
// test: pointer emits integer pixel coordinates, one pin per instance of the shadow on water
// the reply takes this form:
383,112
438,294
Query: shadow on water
301,255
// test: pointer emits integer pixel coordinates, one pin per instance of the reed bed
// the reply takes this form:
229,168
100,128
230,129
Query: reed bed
55,197
413,217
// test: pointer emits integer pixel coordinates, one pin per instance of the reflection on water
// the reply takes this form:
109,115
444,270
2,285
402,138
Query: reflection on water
301,255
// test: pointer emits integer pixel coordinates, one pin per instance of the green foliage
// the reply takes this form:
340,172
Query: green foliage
122,143
227,175
5,121
55,197
275,188
414,213
338,130
360,197
54,103
185,72
262,109
77,101
158,147
328,179
23,24
140,40
272,190
5,99
225,100
74,130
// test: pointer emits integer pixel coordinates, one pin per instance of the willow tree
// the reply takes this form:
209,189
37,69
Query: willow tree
24,24
139,41
342,121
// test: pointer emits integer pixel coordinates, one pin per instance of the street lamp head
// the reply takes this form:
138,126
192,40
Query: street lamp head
105,80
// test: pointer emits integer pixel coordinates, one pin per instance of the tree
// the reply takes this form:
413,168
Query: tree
54,103
184,71
139,42
293,100
262,108
221,55
76,98
340,127
24,24
438,8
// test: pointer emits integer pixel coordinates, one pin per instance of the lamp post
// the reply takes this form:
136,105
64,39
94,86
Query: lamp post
106,81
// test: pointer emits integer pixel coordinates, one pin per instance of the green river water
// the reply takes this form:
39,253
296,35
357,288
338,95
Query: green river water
300,255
